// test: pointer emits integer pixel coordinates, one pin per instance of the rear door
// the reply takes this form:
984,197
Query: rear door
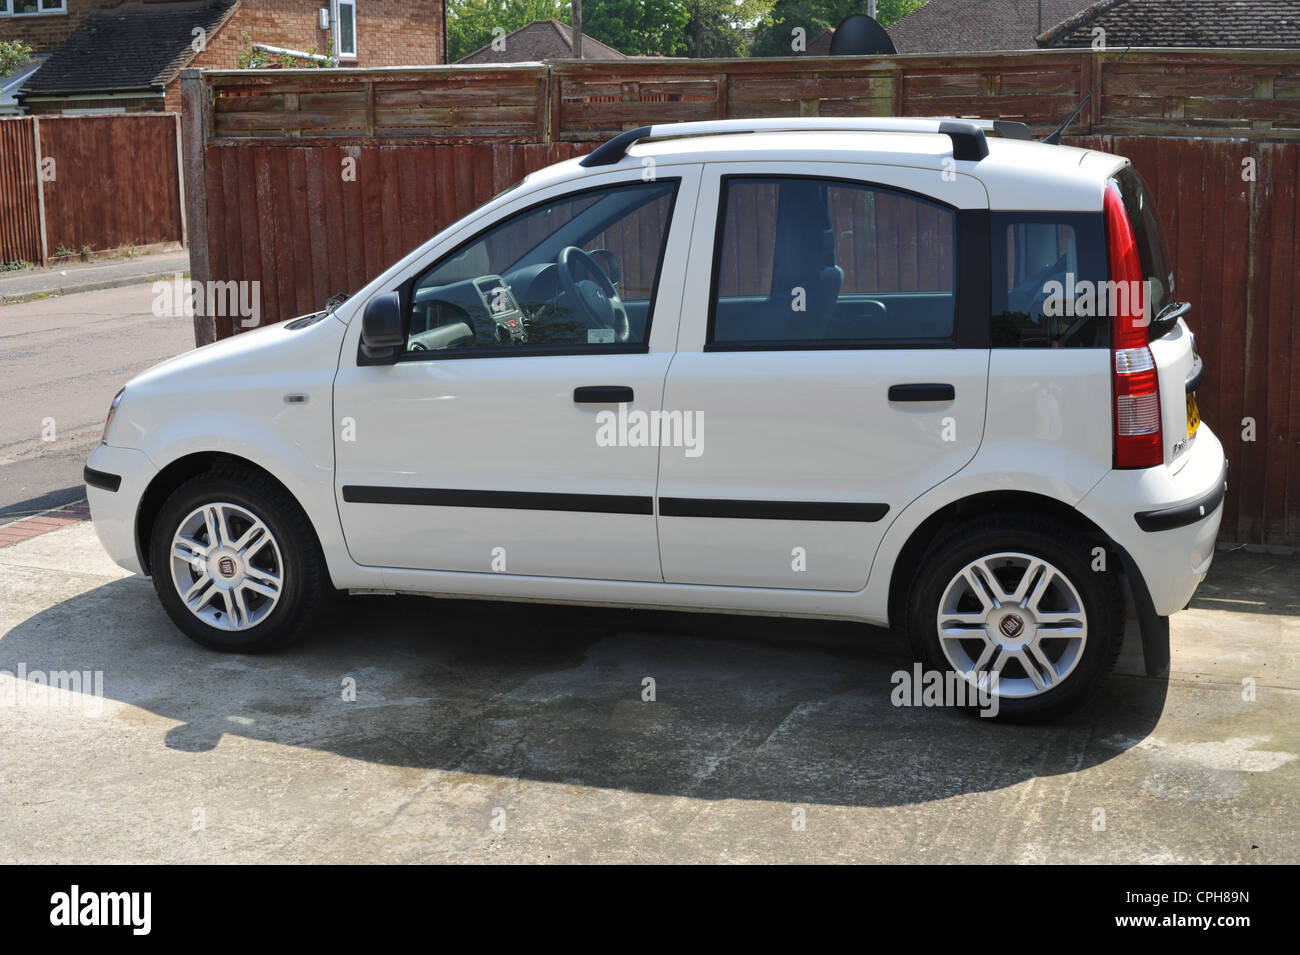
831,367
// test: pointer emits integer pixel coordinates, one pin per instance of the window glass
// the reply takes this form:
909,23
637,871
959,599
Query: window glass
579,271
1154,256
347,28
1047,275
810,260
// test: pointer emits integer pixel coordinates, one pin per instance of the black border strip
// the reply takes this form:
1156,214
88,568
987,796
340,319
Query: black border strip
1190,513
772,510
101,479
514,500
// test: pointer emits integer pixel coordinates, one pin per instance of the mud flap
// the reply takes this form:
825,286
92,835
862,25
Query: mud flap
1154,628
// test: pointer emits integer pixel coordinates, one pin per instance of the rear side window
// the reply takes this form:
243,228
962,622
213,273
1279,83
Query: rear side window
1157,271
803,261
1047,272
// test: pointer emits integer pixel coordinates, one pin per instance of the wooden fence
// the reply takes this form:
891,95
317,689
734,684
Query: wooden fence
103,182
1216,133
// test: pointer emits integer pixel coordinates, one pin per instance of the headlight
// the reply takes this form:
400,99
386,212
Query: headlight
112,413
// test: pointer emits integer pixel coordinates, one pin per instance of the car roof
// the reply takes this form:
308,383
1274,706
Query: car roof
1017,174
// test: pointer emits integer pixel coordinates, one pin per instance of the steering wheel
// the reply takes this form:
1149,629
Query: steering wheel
596,302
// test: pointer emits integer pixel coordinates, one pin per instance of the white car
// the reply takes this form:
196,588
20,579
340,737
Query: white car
894,371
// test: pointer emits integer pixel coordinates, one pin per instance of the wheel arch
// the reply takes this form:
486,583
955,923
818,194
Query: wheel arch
177,473
1154,628
955,512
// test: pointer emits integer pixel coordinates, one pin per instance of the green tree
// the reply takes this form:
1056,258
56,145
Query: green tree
718,27
470,23
774,38
13,54
638,27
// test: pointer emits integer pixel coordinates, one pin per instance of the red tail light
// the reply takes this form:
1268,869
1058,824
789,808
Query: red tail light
1138,440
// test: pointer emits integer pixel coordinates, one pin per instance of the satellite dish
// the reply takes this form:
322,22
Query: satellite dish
860,35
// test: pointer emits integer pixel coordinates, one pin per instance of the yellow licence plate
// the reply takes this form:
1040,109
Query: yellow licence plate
1193,416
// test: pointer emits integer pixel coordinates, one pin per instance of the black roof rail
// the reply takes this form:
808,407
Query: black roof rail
967,136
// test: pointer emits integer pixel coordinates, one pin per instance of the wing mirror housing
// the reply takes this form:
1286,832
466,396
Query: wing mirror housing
382,335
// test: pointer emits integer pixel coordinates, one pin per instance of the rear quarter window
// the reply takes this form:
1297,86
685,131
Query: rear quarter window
1042,263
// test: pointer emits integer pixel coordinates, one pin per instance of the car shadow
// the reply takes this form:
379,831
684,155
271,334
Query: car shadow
754,708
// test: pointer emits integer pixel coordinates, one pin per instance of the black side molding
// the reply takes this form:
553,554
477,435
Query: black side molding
101,479
1182,515
922,392
512,500
772,510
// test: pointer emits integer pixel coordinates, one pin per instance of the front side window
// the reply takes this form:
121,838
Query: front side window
576,273
345,29
1048,280
808,261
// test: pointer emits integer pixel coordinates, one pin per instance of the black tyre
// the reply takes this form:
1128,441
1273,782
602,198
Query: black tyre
236,563
1012,604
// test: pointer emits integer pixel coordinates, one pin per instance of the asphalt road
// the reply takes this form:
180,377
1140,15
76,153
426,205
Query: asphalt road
61,361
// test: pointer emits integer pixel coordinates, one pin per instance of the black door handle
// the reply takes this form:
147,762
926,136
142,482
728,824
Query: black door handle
922,392
602,394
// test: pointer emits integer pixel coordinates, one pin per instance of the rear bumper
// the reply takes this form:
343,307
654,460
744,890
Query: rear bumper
1167,522
113,511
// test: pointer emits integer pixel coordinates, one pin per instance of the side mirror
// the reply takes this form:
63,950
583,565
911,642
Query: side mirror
382,336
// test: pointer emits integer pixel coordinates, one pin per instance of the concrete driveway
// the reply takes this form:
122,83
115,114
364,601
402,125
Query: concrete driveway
516,733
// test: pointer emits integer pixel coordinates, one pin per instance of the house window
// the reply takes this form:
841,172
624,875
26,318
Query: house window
345,29
31,8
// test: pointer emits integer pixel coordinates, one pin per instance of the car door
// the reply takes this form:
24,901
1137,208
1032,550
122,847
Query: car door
833,356
491,445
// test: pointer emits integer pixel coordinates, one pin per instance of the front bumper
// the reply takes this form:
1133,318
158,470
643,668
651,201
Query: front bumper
114,511
1167,522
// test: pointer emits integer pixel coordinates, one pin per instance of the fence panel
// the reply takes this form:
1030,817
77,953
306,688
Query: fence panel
105,182
20,224
115,181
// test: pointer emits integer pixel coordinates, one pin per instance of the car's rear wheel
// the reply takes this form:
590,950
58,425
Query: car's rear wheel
236,563
1018,607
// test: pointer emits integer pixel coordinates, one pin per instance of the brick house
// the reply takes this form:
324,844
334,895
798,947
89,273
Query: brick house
126,55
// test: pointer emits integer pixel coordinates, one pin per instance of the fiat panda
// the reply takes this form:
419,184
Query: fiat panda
920,373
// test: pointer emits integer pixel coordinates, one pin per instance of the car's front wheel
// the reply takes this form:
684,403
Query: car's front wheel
236,563
1019,607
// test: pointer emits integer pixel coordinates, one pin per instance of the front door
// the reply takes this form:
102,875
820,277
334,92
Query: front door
493,444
